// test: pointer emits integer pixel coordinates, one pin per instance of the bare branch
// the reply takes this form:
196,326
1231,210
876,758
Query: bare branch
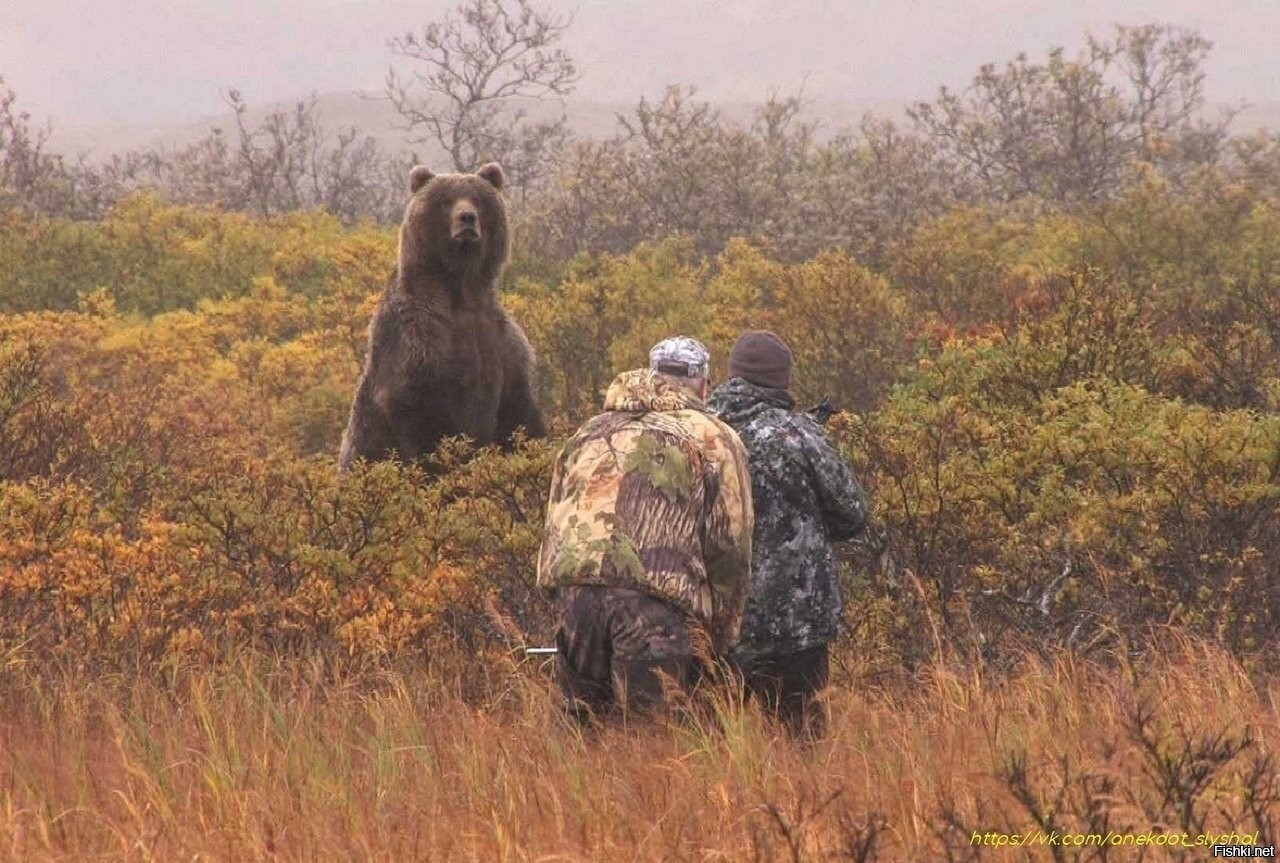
469,74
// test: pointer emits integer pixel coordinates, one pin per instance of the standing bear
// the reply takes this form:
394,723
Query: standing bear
444,359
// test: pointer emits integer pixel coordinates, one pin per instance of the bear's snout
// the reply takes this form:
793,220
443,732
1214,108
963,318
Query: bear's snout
466,221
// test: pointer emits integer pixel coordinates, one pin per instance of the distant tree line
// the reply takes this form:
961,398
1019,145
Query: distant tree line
1030,137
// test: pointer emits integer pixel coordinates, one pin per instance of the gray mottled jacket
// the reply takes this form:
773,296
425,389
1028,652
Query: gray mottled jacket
806,498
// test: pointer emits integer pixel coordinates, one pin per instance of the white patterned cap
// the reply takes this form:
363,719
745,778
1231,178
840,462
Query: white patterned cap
681,356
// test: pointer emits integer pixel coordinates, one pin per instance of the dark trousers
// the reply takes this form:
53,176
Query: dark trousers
621,651
788,686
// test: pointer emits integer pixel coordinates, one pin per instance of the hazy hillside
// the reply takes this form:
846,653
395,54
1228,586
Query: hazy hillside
371,113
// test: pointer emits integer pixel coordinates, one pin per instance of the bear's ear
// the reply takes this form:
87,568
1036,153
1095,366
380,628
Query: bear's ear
493,173
419,177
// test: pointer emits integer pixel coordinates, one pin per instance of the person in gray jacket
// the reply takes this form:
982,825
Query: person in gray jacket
805,498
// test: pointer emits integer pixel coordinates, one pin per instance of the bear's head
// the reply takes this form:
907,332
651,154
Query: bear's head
455,226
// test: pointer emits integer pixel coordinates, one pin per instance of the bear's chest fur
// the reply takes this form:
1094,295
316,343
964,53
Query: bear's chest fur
455,371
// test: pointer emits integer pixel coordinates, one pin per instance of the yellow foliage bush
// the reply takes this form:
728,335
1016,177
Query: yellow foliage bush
1060,446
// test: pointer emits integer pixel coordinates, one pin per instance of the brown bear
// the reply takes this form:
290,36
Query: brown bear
444,359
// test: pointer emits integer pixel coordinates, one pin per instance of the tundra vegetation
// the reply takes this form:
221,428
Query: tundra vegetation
1048,306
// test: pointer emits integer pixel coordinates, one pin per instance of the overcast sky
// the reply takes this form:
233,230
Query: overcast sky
154,61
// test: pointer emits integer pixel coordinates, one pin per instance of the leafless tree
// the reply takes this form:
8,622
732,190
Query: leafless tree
291,161
32,178
678,166
473,77
1068,130
286,161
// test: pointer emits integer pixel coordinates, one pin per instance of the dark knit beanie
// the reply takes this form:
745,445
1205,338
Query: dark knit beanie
761,358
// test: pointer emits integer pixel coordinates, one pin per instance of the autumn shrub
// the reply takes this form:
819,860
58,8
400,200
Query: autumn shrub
1058,452
282,554
849,330
964,267
35,425
1202,270
603,317
153,257
1085,516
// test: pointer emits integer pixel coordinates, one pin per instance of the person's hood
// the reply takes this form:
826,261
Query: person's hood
738,400
646,390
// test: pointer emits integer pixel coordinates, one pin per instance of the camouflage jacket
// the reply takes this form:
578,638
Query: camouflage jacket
805,498
654,494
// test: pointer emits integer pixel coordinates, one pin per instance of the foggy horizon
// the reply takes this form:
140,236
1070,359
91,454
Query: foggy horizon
157,63
156,72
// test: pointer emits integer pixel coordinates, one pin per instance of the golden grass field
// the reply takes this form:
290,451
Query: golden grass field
255,759
1057,455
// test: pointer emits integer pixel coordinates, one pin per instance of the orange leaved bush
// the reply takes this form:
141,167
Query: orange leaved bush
1067,426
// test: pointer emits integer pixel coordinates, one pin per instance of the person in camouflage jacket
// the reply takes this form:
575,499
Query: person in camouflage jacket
648,537
806,498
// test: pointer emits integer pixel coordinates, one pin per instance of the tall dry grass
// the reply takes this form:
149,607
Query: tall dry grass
265,759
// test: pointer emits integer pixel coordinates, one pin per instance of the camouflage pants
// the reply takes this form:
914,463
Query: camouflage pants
788,686
620,650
